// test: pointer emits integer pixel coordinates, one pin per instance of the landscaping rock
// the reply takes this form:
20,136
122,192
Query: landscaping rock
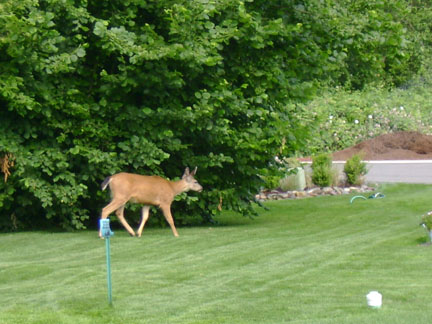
312,192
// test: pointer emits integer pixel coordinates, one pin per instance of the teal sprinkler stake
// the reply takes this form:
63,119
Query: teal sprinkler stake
106,234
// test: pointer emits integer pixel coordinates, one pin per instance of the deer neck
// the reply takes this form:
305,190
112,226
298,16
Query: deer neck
178,187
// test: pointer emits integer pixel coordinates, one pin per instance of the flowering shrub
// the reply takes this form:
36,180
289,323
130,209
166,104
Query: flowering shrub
342,119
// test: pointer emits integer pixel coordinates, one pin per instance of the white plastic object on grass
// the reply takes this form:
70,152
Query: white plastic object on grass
374,299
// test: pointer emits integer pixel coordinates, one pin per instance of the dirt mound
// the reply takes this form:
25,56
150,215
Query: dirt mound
394,146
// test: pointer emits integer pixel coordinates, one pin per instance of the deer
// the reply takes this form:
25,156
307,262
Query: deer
148,191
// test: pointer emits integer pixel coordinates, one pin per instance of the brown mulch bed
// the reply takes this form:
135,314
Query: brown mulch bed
393,146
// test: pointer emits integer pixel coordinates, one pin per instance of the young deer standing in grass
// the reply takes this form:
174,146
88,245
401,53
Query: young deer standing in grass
147,190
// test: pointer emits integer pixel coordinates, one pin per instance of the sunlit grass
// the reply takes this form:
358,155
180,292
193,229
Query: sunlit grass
303,261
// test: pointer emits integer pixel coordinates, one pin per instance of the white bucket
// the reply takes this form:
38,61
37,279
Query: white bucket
374,299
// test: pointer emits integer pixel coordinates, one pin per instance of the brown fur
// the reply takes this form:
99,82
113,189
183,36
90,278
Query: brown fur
146,190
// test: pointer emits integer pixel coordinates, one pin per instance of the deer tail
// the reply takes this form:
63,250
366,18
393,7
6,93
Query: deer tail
105,183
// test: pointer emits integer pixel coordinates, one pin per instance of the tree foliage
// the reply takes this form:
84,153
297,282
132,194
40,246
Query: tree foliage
90,88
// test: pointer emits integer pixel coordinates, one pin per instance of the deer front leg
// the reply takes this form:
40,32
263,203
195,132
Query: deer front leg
145,212
167,213
120,215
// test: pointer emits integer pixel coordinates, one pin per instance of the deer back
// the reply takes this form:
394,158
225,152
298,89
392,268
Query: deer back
150,190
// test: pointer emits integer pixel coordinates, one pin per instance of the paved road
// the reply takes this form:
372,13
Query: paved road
417,171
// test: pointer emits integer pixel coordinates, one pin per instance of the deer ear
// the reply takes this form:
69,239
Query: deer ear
194,171
186,173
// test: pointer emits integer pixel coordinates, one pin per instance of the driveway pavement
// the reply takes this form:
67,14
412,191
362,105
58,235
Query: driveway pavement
409,171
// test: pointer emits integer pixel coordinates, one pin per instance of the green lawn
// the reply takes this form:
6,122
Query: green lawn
303,261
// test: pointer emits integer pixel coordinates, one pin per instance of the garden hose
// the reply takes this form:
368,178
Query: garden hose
373,196
355,197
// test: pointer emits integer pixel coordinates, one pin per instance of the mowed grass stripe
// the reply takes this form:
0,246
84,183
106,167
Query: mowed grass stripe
303,261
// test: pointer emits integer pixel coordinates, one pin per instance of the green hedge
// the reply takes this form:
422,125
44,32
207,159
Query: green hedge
90,88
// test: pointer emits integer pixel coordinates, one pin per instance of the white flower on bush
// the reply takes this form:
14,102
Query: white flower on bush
370,116
401,108
356,121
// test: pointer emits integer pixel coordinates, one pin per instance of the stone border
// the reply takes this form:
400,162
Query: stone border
312,192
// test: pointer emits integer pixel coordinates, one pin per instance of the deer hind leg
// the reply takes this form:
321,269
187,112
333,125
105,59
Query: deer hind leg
120,216
108,209
145,212
167,213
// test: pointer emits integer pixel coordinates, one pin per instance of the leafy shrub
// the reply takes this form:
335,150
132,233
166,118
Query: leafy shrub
354,169
339,118
322,170
90,89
